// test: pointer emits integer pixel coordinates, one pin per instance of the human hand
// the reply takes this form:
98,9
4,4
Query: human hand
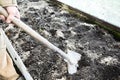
12,12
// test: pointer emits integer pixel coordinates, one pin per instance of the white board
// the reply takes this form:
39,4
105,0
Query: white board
106,10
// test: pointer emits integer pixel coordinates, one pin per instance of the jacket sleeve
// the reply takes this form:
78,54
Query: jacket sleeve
5,3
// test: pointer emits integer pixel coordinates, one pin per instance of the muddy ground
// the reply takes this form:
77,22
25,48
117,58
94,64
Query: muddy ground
100,51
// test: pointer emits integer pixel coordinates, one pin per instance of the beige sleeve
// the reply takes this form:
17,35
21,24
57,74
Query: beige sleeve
5,3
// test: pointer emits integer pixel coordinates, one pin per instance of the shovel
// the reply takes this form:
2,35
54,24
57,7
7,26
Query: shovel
71,57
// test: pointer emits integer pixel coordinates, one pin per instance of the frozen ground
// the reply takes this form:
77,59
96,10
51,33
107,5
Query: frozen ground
100,51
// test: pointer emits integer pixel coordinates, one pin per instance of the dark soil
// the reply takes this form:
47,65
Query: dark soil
100,51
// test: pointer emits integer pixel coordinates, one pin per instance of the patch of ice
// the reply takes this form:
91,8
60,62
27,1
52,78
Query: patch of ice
71,44
92,55
38,5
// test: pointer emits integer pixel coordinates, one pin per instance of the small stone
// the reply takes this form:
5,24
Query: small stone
46,33
59,33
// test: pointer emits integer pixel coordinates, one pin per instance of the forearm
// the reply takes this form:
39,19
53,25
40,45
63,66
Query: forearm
5,3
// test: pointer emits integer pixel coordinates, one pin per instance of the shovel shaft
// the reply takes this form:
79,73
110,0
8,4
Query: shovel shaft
17,60
34,34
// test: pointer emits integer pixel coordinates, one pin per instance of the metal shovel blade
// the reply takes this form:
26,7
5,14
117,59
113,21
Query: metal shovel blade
74,58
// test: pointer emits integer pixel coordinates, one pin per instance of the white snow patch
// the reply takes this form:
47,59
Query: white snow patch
109,60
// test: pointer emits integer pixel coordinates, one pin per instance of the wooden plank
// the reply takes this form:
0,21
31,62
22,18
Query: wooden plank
105,10
17,60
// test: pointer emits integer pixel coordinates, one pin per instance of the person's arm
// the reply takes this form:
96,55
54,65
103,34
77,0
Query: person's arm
11,7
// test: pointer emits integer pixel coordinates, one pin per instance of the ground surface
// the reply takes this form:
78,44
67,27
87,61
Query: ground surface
100,51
